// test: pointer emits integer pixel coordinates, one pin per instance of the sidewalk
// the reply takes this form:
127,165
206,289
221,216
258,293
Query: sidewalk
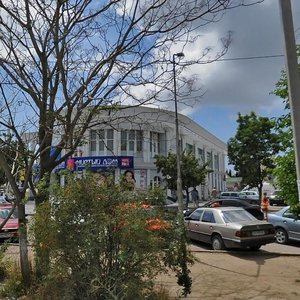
230,276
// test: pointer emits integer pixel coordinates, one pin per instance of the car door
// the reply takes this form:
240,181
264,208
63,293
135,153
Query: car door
192,225
292,224
207,226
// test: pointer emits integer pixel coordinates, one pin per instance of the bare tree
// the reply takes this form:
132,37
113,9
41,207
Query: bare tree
63,61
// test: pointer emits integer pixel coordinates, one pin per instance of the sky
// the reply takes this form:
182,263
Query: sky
233,86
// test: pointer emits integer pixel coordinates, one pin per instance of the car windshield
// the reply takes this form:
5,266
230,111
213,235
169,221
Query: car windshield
237,216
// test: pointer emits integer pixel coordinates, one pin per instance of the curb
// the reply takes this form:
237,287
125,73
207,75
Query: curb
261,252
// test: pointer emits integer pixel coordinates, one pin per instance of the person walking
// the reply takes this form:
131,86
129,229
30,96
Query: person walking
195,197
265,205
214,193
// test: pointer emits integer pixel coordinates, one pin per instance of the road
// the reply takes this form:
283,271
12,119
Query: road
240,275
272,273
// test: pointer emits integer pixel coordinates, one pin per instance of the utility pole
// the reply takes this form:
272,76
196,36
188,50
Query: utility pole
293,78
178,154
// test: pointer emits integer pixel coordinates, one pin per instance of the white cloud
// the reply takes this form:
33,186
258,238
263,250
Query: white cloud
245,84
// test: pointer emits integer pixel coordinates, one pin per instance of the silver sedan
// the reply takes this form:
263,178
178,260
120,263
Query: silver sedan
287,225
228,227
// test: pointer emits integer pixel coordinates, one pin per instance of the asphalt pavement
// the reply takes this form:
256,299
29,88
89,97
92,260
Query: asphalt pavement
292,249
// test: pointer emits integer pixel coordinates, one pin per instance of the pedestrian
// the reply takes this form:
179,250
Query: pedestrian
214,193
265,205
195,197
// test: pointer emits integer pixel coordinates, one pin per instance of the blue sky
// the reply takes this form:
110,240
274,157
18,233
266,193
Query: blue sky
243,85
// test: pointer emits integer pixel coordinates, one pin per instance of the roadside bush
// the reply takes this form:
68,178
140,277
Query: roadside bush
13,286
3,262
102,247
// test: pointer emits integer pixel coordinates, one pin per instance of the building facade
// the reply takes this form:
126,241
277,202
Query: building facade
129,139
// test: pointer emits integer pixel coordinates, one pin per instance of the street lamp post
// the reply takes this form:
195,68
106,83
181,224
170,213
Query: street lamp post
178,154
293,79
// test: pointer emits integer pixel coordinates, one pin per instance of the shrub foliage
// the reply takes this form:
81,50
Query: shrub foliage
101,244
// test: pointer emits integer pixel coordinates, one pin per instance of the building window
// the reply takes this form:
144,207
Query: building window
201,155
123,140
131,141
110,140
139,141
189,148
101,140
154,143
93,140
209,159
131,138
216,162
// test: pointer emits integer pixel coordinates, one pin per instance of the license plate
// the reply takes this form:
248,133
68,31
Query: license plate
257,233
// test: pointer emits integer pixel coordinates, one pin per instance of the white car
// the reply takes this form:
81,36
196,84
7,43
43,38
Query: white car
287,225
229,195
250,196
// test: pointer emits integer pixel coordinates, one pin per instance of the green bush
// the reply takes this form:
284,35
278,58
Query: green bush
13,286
101,246
3,262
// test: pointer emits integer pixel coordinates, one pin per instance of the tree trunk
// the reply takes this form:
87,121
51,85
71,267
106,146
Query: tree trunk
42,254
24,260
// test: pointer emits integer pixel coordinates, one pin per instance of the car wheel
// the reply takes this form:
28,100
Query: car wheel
281,236
217,243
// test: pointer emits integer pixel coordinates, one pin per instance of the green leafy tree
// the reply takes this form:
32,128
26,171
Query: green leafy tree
252,149
192,172
286,179
285,170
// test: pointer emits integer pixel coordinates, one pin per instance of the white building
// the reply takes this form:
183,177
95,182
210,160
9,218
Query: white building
131,137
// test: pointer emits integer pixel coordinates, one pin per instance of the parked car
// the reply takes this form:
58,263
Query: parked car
172,207
228,227
11,227
253,209
276,199
229,195
287,225
250,196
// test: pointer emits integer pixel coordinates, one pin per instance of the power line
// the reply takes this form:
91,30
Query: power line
251,57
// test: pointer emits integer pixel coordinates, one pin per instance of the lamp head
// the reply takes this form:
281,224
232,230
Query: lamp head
179,54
